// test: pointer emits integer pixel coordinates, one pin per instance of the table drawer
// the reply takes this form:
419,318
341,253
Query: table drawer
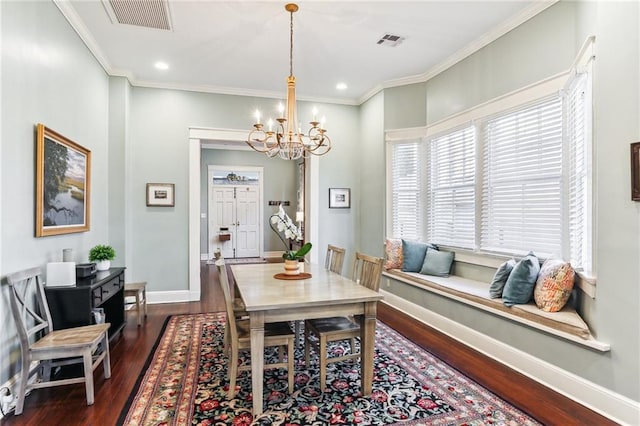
105,291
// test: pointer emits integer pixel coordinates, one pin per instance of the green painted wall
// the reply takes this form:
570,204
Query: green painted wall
542,47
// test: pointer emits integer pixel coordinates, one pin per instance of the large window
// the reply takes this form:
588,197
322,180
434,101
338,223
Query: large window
406,191
514,178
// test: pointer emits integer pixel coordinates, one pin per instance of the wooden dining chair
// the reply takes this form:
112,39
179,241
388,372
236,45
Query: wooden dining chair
366,272
50,348
333,262
334,259
275,334
240,311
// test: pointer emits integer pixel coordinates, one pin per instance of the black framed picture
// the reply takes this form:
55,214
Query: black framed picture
339,198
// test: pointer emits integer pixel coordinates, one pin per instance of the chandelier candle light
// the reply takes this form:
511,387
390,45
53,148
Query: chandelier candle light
287,140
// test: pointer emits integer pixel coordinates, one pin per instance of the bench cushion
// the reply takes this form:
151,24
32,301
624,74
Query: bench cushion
566,320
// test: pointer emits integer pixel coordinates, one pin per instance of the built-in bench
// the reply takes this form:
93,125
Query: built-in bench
566,323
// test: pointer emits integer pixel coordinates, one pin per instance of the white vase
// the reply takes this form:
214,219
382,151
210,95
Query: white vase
103,265
291,267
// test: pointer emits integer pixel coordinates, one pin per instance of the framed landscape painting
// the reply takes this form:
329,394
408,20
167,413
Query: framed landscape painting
63,176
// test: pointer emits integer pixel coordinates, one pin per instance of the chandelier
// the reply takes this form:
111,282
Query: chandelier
287,140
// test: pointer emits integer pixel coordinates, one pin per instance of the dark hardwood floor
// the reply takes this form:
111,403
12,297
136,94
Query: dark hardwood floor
66,405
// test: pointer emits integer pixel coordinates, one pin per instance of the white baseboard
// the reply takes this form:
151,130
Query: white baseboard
612,405
204,256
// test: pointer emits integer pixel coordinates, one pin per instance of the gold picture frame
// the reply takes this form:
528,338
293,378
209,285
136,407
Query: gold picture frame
63,184
161,195
635,171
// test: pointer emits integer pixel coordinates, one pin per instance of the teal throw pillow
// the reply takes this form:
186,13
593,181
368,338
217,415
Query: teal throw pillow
413,253
521,282
437,263
500,278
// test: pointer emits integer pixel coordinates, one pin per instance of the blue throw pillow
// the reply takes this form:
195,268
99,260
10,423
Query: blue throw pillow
500,279
521,282
413,253
437,263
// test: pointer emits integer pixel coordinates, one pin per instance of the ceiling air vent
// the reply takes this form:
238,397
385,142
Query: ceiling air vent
390,40
141,13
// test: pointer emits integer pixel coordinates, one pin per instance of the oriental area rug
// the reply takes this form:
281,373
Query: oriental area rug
184,383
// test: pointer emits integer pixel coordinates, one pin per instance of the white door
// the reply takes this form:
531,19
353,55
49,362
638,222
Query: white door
222,220
235,220
247,222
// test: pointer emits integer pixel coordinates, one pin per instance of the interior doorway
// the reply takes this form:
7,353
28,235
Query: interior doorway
235,211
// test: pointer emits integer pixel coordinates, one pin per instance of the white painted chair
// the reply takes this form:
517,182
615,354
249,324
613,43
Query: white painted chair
139,292
39,342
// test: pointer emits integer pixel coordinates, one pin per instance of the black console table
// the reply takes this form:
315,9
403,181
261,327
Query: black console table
72,306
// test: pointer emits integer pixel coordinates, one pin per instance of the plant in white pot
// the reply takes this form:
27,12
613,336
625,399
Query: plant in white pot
281,224
102,255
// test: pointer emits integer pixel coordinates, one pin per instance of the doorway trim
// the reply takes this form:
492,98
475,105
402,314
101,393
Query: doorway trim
200,137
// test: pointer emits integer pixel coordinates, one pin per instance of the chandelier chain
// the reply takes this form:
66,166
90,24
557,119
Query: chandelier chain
291,45
286,140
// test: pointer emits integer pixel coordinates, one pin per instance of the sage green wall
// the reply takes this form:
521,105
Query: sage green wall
48,76
340,168
543,46
372,175
405,106
279,183
158,152
119,95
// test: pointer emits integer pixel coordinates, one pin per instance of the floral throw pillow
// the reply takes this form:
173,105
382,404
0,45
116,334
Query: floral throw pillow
393,253
554,285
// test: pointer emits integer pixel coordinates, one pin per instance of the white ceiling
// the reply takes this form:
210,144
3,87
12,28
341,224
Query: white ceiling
242,47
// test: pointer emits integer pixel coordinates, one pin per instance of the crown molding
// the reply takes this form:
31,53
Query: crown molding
80,28
489,37
77,24
235,91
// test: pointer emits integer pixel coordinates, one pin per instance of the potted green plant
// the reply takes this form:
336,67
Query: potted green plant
103,255
281,223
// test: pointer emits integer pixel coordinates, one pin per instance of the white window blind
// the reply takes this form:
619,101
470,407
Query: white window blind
451,188
406,184
578,135
522,181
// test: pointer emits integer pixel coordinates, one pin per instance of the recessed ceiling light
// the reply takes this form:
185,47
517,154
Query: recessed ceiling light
161,66
341,86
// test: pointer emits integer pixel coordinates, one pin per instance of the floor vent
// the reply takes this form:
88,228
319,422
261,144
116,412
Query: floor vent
390,40
142,13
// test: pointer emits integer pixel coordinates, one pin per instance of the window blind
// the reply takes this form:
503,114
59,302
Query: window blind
522,181
451,189
406,173
578,204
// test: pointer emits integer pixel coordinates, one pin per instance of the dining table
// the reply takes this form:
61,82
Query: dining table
315,293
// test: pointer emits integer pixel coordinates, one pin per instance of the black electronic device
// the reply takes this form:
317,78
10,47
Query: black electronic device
84,270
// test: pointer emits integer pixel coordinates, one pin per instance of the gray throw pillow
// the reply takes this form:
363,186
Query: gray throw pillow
500,279
413,253
521,282
437,263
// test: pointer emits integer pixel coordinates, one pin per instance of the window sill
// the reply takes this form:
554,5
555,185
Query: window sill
566,324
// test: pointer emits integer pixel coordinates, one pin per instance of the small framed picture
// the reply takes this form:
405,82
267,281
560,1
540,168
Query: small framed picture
339,198
635,171
161,194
